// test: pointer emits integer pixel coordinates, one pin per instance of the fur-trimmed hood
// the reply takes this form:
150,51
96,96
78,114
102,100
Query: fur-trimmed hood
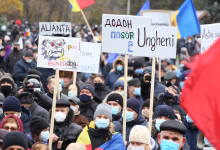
118,59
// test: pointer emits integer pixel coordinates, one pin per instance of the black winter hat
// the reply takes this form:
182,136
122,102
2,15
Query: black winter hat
25,98
88,87
115,97
62,103
147,104
15,138
38,124
134,104
8,79
131,72
134,82
34,71
11,103
28,54
137,64
173,125
167,112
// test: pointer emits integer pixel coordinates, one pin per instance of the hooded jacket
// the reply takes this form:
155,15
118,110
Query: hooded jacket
113,76
120,83
20,124
101,92
67,131
88,109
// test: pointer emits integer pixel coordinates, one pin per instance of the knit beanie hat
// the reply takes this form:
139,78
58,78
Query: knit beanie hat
8,79
15,138
166,111
38,124
147,104
134,104
28,54
134,82
11,103
103,109
169,75
139,134
88,87
3,133
115,97
137,64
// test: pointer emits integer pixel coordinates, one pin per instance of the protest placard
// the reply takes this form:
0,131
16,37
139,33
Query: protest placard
209,35
118,32
159,17
55,28
58,52
155,41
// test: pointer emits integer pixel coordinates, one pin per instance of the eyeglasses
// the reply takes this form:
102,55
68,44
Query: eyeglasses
11,128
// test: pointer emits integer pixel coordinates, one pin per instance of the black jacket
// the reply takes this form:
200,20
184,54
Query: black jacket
12,93
101,93
88,109
37,110
117,118
67,131
43,100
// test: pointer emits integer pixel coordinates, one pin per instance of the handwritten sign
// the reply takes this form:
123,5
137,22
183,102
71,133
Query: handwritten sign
209,34
159,17
58,52
55,28
118,32
155,41
89,58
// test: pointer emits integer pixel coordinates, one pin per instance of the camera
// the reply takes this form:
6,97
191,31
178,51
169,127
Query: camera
29,88
148,78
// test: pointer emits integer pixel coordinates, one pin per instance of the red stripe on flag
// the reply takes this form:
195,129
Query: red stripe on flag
85,3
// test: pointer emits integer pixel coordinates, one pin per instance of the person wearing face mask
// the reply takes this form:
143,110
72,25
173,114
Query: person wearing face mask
87,104
22,67
7,86
12,58
112,77
65,80
133,117
27,100
3,31
190,45
119,87
184,60
146,108
115,100
171,136
78,119
2,97
100,89
191,133
100,132
138,69
12,106
183,77
39,131
172,98
135,90
7,41
65,131
170,76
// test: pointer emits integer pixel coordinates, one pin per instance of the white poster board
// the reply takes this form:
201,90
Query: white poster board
58,52
54,28
159,17
89,58
209,35
155,41
118,32
208,148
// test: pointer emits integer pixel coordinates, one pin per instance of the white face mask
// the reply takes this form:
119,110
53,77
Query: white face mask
130,147
60,117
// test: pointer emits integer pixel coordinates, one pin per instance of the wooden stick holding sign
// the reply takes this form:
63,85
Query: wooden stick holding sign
125,96
58,86
152,95
53,108
74,82
159,69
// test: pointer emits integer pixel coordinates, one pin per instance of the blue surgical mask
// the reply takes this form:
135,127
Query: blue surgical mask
122,92
85,35
129,78
8,34
181,85
158,123
36,55
207,143
188,119
115,110
102,123
38,89
181,66
62,83
85,98
119,68
122,54
29,61
73,108
129,116
60,87
44,136
169,145
137,91
139,71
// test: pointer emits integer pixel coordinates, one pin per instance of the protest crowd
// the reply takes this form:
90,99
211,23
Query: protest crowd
91,118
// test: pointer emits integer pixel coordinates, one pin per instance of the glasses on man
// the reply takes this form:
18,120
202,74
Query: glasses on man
10,128
174,136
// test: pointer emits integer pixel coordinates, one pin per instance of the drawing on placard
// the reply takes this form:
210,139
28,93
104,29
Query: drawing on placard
53,49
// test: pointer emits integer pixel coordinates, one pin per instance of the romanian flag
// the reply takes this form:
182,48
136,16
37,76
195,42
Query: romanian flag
78,5
186,20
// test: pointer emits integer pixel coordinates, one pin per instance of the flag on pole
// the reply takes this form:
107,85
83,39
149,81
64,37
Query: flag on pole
186,20
200,95
146,6
78,5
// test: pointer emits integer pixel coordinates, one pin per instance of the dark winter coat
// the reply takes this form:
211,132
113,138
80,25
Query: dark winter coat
190,48
129,125
81,76
101,93
88,109
81,120
12,93
67,131
107,69
11,60
21,69
37,110
141,100
118,117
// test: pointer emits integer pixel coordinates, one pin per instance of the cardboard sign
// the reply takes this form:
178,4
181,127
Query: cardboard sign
155,41
118,32
209,35
89,58
58,52
159,17
54,28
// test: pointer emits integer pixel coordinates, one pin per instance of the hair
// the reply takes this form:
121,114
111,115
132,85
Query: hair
11,120
100,76
105,99
148,147
28,105
40,146
49,79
